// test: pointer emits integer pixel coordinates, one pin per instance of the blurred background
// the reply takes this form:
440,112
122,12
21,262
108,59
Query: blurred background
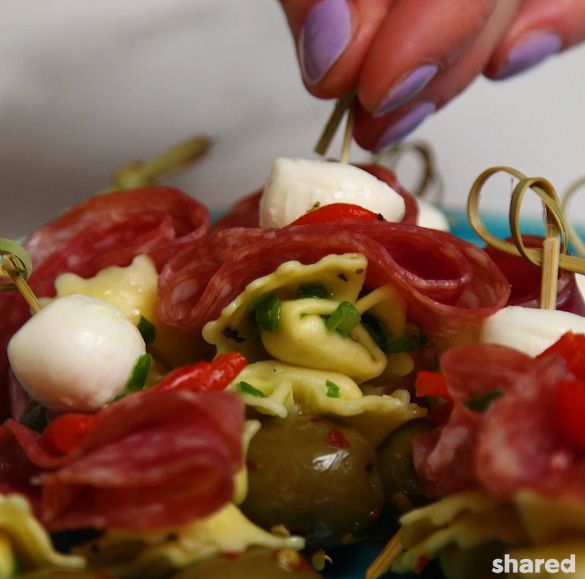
86,87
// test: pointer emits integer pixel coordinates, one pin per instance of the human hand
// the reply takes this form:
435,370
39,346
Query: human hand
409,58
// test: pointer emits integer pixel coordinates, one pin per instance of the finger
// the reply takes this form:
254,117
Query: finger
416,41
332,39
542,28
378,133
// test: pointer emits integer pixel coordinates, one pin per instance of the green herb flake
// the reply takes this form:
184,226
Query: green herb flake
312,290
343,319
266,312
404,343
376,330
34,416
246,388
139,374
232,334
147,330
481,403
332,389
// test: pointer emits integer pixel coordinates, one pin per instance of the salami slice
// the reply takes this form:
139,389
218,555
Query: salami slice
445,457
107,229
449,285
153,460
519,446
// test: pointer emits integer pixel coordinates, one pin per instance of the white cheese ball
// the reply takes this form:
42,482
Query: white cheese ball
75,354
431,217
529,330
296,186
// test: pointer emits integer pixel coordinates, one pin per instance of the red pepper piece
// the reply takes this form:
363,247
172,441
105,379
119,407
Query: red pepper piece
212,376
337,212
431,384
569,411
336,439
571,347
66,432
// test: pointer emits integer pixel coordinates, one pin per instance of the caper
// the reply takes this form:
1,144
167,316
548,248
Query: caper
256,564
314,476
399,479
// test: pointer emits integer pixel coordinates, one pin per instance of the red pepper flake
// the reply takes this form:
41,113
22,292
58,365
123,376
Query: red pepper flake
336,439
422,562
375,513
232,555
251,465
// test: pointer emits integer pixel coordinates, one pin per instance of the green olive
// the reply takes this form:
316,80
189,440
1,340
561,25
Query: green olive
315,477
256,564
63,574
399,479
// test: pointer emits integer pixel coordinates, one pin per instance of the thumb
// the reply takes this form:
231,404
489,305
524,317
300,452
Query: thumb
332,38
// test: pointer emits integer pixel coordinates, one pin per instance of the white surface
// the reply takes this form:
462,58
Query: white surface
87,86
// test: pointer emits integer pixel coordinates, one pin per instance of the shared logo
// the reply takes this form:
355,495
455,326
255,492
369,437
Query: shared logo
530,566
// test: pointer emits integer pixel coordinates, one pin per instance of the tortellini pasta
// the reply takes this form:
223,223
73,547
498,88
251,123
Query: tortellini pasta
313,316
133,289
467,520
24,543
147,554
278,389
469,529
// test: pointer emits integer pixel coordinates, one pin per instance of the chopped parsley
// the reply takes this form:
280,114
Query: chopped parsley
266,312
139,373
332,389
232,334
246,388
481,403
343,319
312,290
376,330
147,330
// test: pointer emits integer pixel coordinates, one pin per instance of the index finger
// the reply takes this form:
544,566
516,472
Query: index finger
332,38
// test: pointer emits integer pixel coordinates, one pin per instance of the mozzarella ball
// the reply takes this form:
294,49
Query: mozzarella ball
431,217
75,354
296,186
529,330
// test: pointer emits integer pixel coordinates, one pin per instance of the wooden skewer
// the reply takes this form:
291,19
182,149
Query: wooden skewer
343,105
384,560
347,135
553,254
15,264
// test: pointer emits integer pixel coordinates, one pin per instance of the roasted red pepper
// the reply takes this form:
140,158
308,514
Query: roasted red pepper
337,212
569,409
431,384
570,347
211,376
66,432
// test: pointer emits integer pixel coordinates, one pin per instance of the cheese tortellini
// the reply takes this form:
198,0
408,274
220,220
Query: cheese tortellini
469,529
315,316
278,389
24,543
133,290
144,554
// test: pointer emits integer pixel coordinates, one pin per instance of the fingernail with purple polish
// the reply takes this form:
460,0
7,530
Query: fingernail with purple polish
407,88
530,52
406,124
324,36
